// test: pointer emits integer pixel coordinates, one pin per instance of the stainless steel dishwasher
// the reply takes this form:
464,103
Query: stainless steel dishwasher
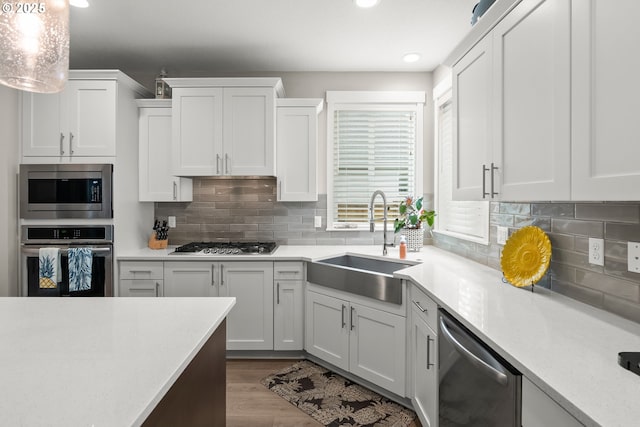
476,386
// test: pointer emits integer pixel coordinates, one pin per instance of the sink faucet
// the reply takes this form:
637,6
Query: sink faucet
372,225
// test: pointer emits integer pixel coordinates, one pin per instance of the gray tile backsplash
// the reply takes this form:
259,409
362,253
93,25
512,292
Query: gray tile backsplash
569,226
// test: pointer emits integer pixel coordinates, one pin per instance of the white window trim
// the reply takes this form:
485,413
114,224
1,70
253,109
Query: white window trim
442,94
389,99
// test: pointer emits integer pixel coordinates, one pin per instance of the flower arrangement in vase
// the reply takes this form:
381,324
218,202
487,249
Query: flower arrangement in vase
412,215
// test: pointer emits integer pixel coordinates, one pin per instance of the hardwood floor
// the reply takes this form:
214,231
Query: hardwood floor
250,404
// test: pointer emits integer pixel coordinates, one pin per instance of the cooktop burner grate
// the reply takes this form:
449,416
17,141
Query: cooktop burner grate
227,248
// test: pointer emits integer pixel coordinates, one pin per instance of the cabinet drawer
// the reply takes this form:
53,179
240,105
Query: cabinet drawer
141,288
288,271
138,270
426,307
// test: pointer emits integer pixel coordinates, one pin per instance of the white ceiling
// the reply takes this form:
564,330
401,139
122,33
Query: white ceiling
265,35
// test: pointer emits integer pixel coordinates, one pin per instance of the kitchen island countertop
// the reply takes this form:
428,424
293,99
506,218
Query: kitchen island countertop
97,361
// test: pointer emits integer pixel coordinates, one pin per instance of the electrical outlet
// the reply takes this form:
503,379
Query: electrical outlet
502,235
596,251
171,221
317,221
633,256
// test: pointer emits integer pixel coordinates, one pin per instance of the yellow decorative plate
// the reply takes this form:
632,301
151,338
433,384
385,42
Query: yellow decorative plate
526,256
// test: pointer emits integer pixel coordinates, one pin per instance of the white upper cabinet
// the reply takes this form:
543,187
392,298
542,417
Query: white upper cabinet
512,108
297,149
472,111
78,122
156,184
605,126
532,131
224,126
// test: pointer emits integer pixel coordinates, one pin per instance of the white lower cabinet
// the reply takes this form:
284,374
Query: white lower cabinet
140,279
288,307
424,372
363,340
539,410
250,323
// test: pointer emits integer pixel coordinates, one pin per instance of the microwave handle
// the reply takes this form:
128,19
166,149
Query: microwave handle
64,251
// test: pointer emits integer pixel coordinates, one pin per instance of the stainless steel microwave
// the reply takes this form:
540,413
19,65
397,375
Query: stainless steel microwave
52,191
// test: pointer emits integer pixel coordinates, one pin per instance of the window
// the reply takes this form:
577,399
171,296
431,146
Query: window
464,220
374,142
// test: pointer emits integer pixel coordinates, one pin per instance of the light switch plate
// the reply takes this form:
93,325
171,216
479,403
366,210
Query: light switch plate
633,256
171,221
596,251
502,235
317,221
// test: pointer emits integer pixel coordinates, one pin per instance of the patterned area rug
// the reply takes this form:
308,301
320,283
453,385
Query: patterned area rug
333,400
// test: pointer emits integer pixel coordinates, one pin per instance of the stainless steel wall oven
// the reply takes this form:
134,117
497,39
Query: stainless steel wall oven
52,191
97,238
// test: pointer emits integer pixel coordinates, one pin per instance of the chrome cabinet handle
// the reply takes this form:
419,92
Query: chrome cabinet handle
351,318
343,321
140,271
278,293
213,275
424,310
280,190
226,163
175,191
71,142
221,275
493,169
217,164
485,169
429,364
61,142
157,289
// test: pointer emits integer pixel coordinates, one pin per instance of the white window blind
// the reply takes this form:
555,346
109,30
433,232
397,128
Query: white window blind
374,148
465,220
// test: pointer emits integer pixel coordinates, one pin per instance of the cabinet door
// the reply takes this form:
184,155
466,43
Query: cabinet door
91,118
605,126
197,131
288,321
249,131
250,323
377,347
140,288
190,279
539,410
424,351
156,184
327,329
41,131
532,124
472,113
297,134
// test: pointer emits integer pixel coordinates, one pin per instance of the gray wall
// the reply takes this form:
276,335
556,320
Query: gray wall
569,226
8,198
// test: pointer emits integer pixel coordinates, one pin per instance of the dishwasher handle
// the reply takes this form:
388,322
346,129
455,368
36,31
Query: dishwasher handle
499,375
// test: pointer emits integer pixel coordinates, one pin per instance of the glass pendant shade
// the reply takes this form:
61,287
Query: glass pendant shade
34,45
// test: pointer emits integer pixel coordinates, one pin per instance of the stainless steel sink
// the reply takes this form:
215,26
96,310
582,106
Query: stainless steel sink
368,277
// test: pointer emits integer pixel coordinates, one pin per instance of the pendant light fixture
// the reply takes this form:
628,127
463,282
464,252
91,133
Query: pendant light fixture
34,45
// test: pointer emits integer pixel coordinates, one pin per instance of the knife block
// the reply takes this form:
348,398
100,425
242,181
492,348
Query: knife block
157,244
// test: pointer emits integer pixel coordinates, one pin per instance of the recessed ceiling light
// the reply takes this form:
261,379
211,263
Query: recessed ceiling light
411,57
366,3
79,3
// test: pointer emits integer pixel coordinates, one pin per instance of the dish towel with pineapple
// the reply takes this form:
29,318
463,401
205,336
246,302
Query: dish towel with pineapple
50,269
80,260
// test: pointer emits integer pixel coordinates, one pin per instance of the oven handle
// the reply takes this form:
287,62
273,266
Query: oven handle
64,251
498,375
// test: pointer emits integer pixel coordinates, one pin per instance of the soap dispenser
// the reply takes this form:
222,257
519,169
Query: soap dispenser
403,247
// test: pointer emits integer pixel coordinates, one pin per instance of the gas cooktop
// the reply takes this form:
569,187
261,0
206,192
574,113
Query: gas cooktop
226,248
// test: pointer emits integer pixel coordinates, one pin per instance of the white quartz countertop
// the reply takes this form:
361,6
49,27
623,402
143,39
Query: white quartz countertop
97,361
566,348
